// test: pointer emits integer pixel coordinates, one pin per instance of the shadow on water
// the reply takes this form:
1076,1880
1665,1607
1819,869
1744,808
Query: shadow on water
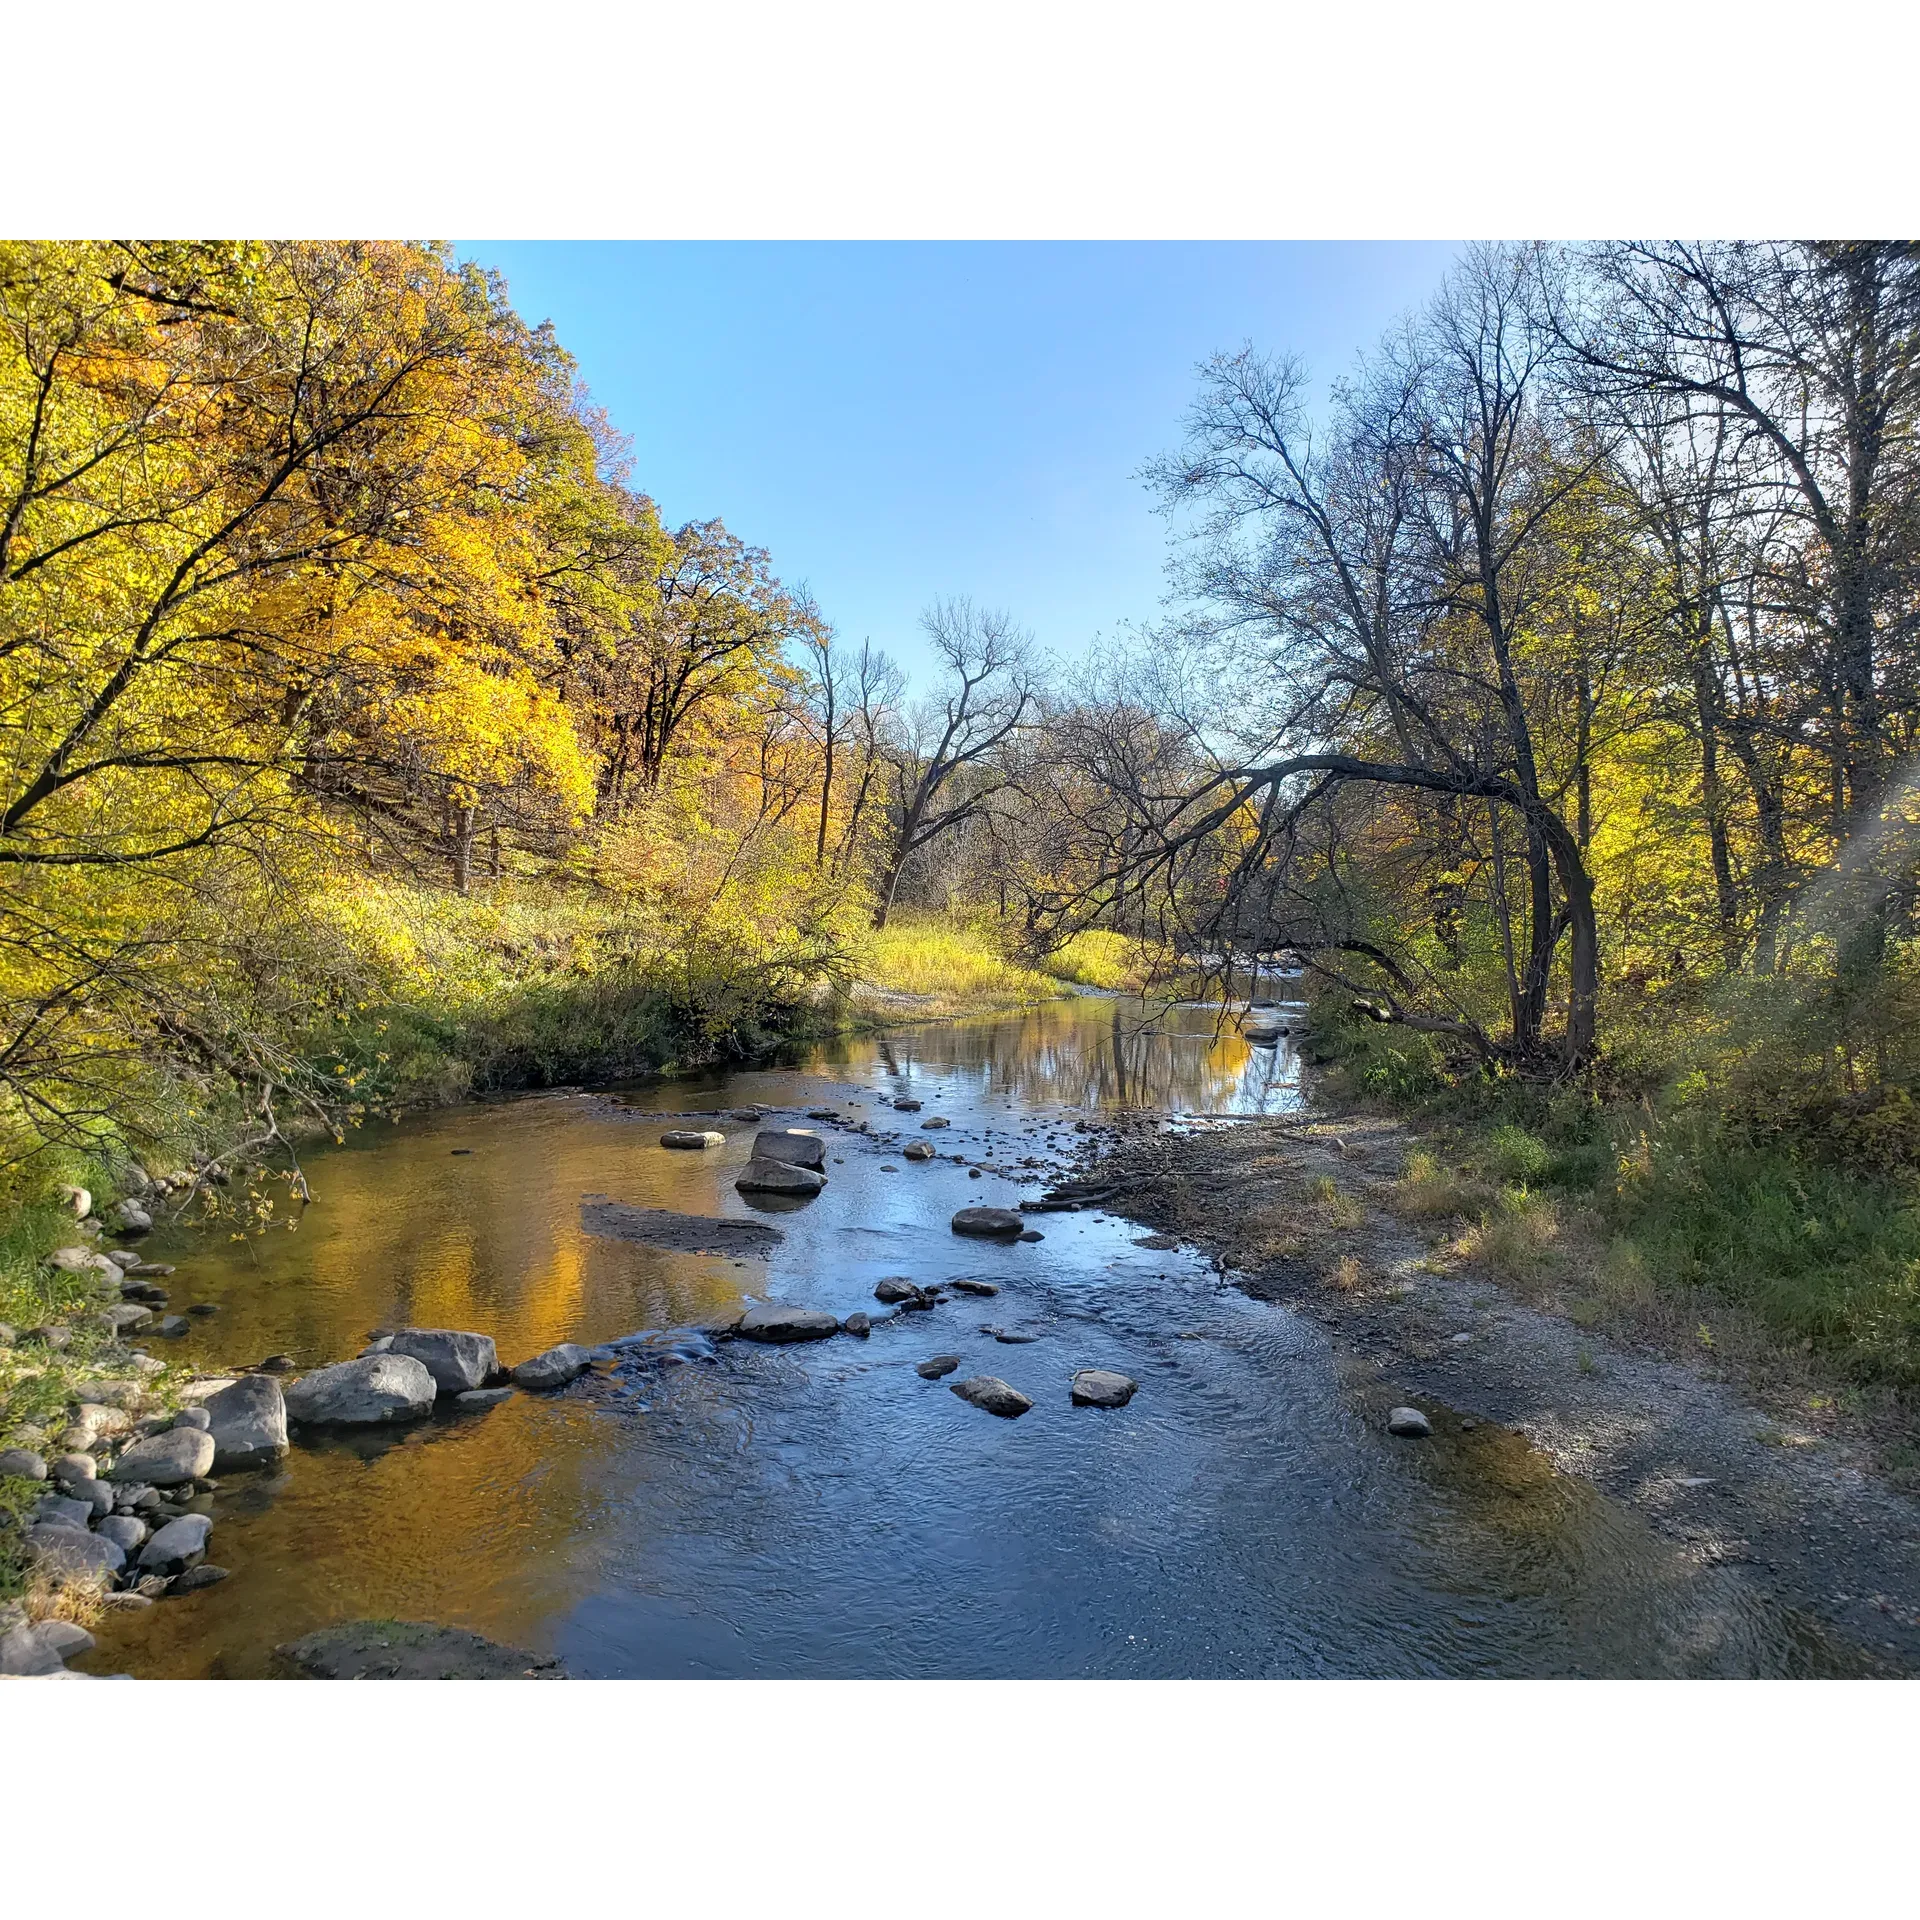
823,1510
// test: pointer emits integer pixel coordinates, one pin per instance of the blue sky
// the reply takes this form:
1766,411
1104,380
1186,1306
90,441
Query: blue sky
896,422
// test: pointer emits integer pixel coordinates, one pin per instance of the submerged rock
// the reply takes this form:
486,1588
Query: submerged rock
1096,1387
459,1362
779,1325
1409,1423
778,1176
479,1399
984,1288
993,1396
793,1146
678,1232
166,1459
409,1650
363,1393
988,1223
197,1577
555,1368
691,1139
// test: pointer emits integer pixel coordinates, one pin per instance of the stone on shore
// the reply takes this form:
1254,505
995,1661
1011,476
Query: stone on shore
248,1422
21,1463
779,1176
73,1466
793,1146
69,1553
777,1326
409,1650
363,1393
59,1510
1409,1423
99,1422
938,1367
124,1530
459,1362
993,1396
194,1417
166,1459
691,1139
197,1577
557,1367
28,1651
1096,1387
988,1223
178,1545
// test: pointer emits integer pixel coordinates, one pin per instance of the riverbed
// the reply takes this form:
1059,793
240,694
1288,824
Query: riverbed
696,1508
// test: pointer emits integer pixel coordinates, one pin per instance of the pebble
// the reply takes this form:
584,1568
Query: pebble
1409,1423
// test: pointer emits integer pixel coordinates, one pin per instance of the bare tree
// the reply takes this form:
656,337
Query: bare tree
943,768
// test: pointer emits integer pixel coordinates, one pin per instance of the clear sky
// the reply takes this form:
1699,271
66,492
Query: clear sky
895,422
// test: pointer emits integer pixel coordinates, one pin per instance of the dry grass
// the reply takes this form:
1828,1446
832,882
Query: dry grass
1347,1275
1342,1210
1429,1191
1516,1241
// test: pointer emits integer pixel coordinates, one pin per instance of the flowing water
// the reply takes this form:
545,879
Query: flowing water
822,1510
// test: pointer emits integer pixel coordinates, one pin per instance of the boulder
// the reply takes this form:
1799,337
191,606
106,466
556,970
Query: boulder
988,1223
459,1362
363,1393
174,1326
81,1260
858,1324
68,1553
478,1399
939,1366
123,1530
992,1395
691,1139
554,1368
25,1652
58,1510
792,1146
123,1257
895,1289
66,1637
21,1463
938,1121
73,1466
166,1459
1409,1423
123,1319
248,1422
1096,1387
409,1650
906,1106
779,1325
77,1201
916,1150
178,1545
779,1176
132,1217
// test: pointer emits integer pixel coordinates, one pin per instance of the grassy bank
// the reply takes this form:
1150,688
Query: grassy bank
1662,1218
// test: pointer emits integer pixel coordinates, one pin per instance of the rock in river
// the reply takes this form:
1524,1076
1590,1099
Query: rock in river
777,1325
459,1362
409,1650
479,1399
691,1139
777,1176
916,1150
988,1223
995,1396
554,1368
985,1289
178,1545
1409,1423
166,1459
363,1393
248,1422
794,1146
938,1367
896,1289
1096,1387
859,1325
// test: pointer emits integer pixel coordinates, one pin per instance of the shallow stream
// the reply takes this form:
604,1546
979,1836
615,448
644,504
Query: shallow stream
686,1510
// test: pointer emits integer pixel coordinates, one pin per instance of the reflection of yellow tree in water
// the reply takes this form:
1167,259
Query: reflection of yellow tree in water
1105,1052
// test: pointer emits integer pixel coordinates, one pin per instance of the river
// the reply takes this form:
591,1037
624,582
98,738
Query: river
822,1510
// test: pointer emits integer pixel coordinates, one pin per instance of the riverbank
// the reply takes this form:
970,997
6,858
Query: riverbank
1735,1452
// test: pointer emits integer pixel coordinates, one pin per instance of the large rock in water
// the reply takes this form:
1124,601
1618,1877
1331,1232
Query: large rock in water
777,1176
459,1362
988,1223
409,1650
248,1423
692,1139
795,1146
363,1393
778,1325
1096,1387
178,1545
166,1459
554,1368
994,1395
